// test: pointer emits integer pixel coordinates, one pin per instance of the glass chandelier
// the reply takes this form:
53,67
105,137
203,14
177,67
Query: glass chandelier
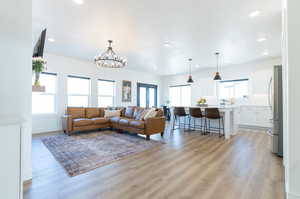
109,59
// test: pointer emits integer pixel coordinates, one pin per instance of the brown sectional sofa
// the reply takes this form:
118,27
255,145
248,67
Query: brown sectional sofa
81,119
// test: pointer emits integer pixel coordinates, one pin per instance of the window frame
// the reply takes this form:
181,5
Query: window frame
114,91
234,80
50,94
183,85
74,94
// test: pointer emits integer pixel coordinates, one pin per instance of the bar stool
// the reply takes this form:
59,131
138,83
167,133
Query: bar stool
214,114
167,112
179,112
196,113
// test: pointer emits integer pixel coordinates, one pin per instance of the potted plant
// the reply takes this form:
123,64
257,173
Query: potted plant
38,66
202,102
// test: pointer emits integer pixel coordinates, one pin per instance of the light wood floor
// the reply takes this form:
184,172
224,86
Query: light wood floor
188,166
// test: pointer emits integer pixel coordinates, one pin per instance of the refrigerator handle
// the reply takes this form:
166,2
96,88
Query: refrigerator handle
270,93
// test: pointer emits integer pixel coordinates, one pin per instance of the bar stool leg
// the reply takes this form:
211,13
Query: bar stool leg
174,121
219,127
205,126
209,126
223,128
201,122
190,123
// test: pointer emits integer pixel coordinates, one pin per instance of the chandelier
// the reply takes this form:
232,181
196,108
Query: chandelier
109,59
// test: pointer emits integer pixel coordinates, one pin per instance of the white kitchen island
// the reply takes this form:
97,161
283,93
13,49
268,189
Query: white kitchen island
230,118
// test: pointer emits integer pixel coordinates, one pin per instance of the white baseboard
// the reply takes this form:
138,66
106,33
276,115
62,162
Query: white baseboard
292,196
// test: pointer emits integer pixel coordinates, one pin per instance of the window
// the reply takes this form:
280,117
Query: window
78,91
180,95
233,89
106,91
44,102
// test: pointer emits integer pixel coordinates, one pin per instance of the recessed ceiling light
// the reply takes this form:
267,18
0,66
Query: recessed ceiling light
254,14
51,39
265,53
79,2
261,39
167,44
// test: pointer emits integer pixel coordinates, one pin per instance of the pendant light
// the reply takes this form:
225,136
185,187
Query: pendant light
217,76
190,80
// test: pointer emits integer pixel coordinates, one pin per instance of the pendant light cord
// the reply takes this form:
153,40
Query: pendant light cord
217,57
190,60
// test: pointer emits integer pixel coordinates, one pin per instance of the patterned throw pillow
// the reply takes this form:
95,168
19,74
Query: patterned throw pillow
137,113
150,114
145,111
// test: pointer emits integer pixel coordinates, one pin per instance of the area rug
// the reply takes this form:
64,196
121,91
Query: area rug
84,152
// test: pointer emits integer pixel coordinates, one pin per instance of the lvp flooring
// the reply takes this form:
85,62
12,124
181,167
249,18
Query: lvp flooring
189,165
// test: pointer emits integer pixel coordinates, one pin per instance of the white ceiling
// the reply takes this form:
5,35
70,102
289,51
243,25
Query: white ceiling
139,28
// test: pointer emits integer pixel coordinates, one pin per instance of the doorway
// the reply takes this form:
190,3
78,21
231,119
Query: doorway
146,95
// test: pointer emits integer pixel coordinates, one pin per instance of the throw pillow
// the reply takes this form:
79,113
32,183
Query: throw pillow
151,113
143,114
112,113
137,113
129,111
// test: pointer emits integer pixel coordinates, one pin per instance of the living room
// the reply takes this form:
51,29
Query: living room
149,99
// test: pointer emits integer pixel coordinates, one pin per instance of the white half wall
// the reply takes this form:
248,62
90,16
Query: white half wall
258,73
65,66
15,71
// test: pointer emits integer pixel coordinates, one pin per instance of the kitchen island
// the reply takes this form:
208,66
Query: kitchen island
229,114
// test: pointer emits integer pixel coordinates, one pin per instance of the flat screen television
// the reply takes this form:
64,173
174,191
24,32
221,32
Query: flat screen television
38,50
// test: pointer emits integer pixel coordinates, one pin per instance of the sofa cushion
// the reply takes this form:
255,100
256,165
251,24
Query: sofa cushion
115,119
92,112
129,111
100,120
101,112
124,121
76,112
112,113
82,122
137,124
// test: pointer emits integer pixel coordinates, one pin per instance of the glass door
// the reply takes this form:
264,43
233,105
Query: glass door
146,95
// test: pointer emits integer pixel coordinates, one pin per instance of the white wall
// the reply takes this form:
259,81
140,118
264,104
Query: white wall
15,70
65,66
291,49
258,73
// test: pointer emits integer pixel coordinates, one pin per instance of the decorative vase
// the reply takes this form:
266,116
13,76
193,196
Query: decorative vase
37,79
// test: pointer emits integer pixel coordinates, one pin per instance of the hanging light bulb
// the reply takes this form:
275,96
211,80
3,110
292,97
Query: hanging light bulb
217,75
190,80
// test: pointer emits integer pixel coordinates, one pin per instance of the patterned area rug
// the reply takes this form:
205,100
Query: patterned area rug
84,152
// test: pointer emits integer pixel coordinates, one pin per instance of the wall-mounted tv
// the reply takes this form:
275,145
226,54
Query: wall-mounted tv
38,50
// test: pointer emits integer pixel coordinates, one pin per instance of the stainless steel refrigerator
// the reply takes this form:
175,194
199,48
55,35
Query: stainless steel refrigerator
275,102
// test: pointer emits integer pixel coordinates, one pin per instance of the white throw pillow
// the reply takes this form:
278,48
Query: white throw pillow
150,114
112,113
144,113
